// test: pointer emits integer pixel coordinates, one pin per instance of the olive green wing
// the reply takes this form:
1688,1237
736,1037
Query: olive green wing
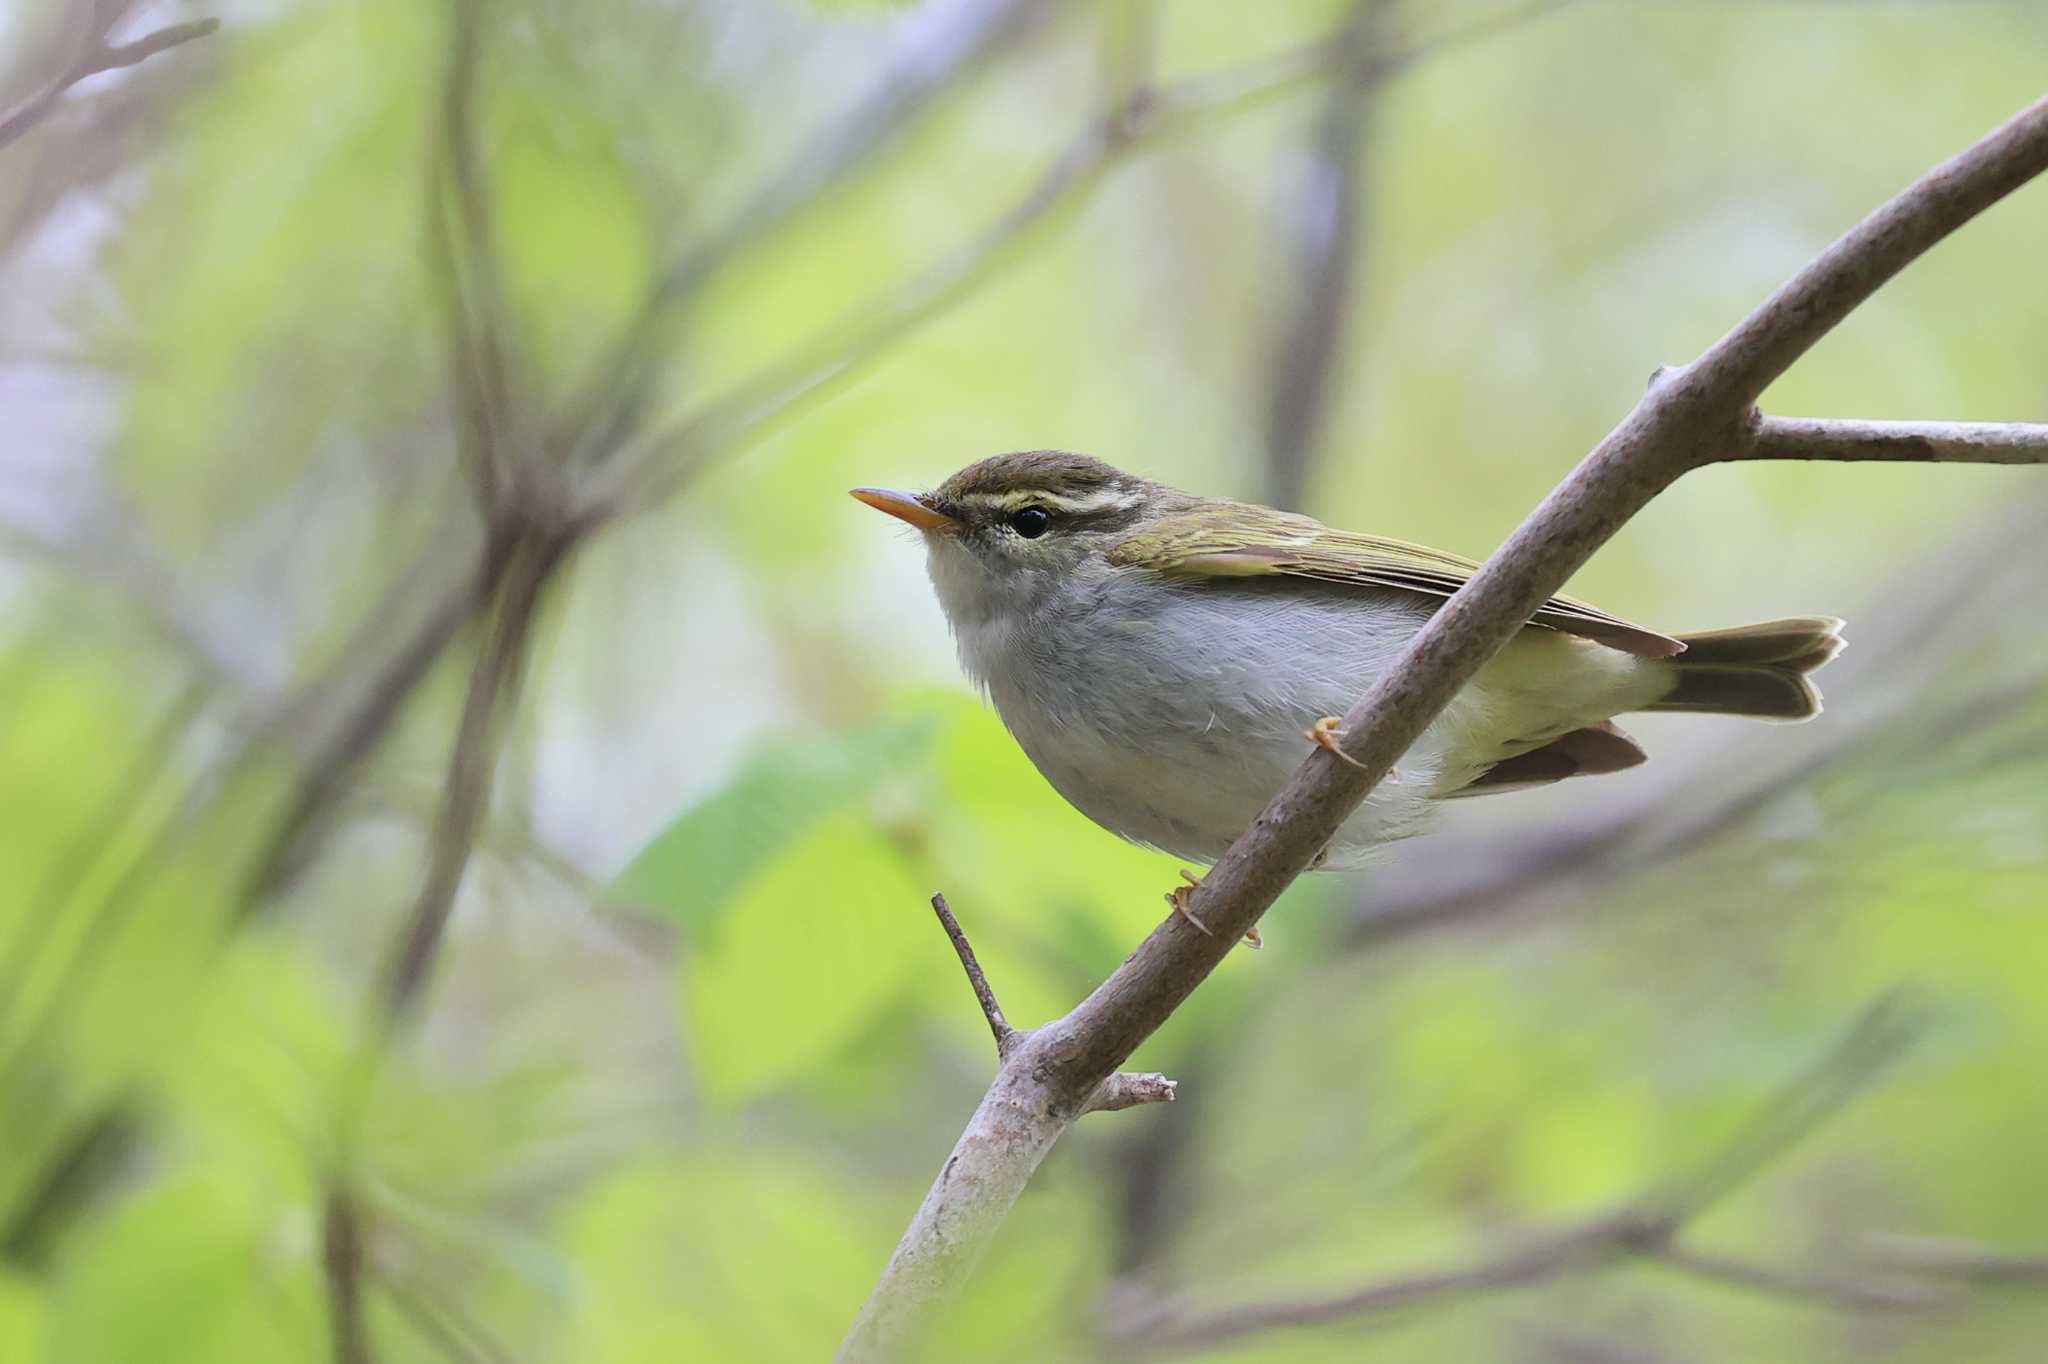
1244,541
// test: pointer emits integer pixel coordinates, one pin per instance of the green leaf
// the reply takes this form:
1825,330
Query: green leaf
693,867
823,938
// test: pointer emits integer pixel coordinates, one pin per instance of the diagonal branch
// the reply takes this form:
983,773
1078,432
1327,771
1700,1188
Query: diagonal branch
1647,1226
1690,417
99,57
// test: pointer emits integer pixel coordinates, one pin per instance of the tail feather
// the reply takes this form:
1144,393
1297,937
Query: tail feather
1757,670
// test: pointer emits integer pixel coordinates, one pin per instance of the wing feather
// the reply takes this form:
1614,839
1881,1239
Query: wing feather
1260,542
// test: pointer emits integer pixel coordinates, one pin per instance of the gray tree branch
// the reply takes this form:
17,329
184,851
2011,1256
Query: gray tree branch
1691,417
1898,442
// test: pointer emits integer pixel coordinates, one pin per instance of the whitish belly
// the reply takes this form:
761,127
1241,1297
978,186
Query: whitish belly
1174,726
1194,802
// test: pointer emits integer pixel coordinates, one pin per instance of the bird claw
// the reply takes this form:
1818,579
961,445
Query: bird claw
1323,734
1179,896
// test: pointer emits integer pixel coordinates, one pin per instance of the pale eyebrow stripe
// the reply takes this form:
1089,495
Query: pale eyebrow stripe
1105,499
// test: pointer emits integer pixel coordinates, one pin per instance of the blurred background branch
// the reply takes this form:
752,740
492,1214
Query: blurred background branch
1648,1225
96,56
1328,230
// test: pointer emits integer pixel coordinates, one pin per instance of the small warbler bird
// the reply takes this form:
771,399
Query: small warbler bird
1161,656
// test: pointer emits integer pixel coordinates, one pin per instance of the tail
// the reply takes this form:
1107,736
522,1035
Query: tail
1754,669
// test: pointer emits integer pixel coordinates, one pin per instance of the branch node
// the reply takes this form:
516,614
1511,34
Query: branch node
1130,1088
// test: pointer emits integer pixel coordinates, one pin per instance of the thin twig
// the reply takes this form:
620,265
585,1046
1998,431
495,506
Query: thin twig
1646,1226
1329,230
983,994
1898,442
99,57
1125,1089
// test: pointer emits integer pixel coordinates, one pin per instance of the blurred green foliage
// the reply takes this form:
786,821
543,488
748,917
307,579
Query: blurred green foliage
694,1046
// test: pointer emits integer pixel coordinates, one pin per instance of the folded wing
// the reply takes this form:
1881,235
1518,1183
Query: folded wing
1260,542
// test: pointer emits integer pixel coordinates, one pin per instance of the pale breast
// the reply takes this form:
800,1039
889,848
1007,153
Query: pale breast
1170,714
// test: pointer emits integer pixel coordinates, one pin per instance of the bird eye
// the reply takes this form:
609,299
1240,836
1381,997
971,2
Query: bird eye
1030,522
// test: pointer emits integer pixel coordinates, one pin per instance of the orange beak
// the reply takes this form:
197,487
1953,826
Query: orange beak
906,507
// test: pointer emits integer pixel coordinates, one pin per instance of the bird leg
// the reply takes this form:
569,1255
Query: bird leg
1179,896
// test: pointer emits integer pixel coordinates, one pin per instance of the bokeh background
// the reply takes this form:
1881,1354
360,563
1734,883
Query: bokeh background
423,439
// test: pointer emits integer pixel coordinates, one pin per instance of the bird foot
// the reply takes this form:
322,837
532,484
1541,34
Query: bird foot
1179,896
1323,734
